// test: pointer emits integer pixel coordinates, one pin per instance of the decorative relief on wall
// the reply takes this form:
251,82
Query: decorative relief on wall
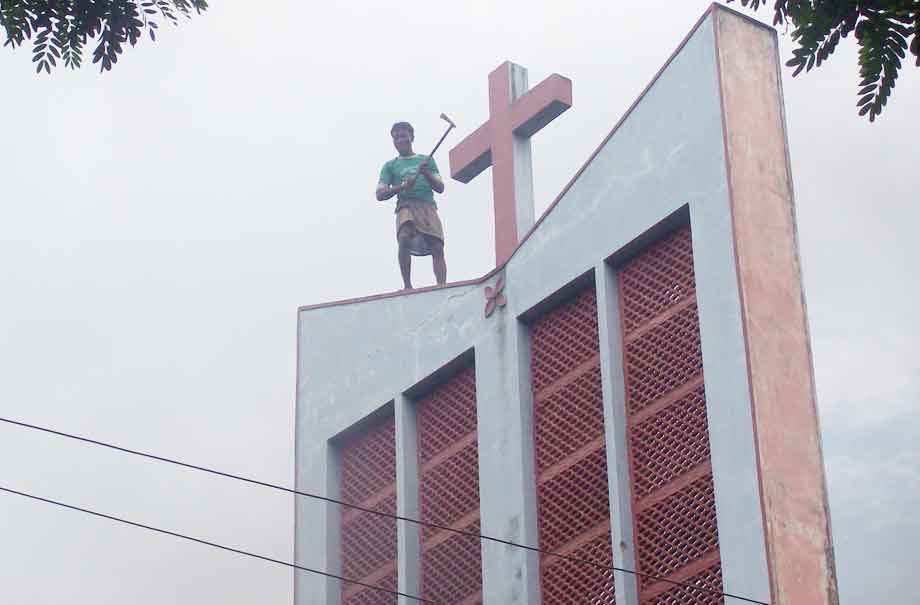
495,296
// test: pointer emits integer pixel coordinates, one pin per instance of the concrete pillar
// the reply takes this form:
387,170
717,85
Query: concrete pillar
407,534
507,487
612,382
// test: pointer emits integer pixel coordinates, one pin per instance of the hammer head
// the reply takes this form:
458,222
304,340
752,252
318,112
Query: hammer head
448,120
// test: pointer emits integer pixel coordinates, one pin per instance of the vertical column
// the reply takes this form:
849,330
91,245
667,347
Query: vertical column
512,171
407,498
333,515
613,384
317,525
523,162
728,408
522,396
790,466
502,152
510,575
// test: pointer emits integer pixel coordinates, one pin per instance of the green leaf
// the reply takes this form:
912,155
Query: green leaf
60,28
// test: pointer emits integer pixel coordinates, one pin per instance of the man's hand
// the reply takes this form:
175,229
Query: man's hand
425,168
385,191
433,179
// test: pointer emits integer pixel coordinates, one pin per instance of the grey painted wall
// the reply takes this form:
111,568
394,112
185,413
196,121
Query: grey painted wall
356,357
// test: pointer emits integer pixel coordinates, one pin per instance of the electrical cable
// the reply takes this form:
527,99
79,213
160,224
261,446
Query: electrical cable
378,512
213,544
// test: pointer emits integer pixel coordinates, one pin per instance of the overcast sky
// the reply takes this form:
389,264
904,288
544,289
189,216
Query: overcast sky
162,223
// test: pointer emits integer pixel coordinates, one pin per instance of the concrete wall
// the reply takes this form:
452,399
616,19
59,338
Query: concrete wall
665,161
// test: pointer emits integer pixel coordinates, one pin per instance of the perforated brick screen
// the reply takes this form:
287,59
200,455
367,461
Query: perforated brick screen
368,478
451,564
594,586
674,510
702,588
572,500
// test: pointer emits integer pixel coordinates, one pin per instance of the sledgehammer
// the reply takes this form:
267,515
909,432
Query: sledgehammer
443,136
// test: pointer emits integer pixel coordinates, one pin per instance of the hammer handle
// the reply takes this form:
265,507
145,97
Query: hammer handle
443,136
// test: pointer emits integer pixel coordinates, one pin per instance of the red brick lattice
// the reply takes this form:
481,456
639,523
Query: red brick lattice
572,499
679,530
444,493
580,421
361,596
571,502
662,359
675,441
674,512
596,585
447,415
365,543
709,580
451,564
564,339
368,478
657,281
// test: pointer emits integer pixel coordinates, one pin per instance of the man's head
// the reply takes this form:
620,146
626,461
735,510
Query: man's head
403,135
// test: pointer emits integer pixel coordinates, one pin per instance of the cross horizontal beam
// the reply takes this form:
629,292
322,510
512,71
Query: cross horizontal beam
529,114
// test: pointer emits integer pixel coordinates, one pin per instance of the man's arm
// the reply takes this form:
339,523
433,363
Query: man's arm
385,191
434,179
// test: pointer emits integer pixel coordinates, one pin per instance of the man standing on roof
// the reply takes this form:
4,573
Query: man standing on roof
414,179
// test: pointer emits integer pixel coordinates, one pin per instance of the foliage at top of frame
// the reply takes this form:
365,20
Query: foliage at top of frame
59,29
885,30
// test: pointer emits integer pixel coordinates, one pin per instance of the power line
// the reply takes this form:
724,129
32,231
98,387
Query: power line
379,512
214,544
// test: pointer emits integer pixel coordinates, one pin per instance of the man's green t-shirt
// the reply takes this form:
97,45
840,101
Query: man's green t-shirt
399,169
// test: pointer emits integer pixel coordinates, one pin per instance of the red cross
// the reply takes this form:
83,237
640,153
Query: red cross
515,114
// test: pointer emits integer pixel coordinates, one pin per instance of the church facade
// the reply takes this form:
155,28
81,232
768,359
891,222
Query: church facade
630,388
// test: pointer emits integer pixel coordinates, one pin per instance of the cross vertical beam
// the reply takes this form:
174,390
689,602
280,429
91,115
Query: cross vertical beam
515,114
